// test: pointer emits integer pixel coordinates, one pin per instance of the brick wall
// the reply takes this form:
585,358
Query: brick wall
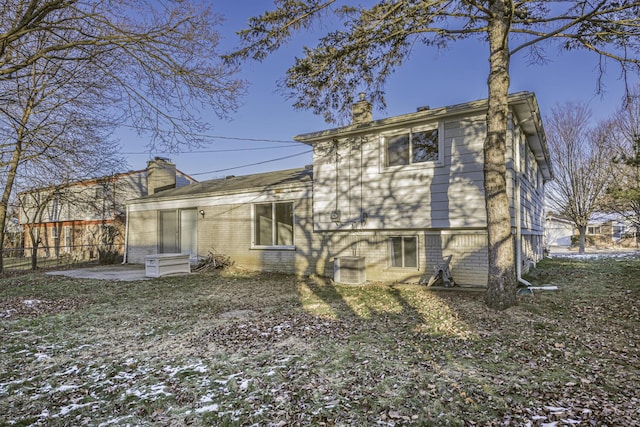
226,229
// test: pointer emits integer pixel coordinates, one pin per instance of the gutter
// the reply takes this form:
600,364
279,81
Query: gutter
518,206
126,237
529,288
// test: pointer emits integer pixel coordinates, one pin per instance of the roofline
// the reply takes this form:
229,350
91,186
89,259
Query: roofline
147,200
153,198
90,181
404,119
525,98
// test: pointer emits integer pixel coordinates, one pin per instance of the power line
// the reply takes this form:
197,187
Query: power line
251,164
204,135
206,151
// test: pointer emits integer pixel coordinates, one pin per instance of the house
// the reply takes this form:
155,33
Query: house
385,199
558,231
608,229
82,218
13,238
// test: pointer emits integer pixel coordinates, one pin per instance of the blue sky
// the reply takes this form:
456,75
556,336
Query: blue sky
434,77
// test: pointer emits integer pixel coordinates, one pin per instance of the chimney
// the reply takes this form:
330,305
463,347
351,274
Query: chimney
161,175
361,111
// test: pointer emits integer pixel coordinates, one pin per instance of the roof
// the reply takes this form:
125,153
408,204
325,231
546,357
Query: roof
523,104
233,184
95,180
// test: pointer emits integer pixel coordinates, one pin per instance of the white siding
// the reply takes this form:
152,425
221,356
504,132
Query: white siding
350,176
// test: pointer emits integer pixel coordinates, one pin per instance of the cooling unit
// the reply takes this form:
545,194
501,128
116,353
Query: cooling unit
349,269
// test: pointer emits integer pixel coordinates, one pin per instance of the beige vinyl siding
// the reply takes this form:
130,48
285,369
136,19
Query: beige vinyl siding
532,193
414,196
142,236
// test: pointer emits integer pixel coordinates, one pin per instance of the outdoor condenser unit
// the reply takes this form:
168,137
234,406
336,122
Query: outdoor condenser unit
350,270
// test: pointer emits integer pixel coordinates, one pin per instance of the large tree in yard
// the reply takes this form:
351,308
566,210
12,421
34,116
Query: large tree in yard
375,40
624,193
581,154
72,71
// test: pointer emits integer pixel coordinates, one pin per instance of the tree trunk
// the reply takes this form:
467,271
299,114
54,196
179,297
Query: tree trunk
582,238
501,288
6,193
34,247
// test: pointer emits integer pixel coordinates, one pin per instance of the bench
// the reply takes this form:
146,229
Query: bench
162,264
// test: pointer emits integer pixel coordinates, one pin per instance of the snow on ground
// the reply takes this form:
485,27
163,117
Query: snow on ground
594,253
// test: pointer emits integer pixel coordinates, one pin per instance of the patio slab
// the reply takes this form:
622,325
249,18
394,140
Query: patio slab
125,273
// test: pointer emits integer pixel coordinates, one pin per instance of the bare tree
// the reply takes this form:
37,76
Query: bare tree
624,193
581,154
73,70
372,42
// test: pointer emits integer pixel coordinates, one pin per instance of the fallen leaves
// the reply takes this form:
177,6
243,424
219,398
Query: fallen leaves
20,307
241,348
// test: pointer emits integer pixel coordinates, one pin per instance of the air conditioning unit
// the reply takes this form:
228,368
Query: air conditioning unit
350,270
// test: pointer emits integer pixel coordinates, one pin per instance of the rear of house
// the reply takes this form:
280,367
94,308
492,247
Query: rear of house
387,200
261,221
407,191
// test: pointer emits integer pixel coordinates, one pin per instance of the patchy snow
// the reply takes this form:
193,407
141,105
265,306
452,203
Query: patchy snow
41,356
4,387
71,371
173,371
31,302
115,421
207,398
596,254
65,410
65,387
210,408
153,392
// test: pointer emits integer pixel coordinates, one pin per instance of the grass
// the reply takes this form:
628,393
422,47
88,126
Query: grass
236,348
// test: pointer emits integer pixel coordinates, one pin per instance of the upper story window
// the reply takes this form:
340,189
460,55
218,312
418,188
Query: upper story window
418,145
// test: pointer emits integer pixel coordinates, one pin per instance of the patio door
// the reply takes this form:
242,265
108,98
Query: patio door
178,231
189,231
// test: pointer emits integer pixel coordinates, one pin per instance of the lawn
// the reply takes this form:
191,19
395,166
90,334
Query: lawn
237,348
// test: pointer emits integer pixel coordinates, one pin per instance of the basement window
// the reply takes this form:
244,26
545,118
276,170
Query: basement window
404,251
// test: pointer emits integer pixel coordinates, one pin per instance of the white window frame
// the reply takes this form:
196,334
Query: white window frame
390,251
411,166
273,228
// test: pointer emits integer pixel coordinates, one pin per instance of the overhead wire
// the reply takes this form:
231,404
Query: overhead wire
232,138
206,151
251,164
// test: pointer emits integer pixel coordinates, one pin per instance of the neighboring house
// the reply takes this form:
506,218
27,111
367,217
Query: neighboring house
387,198
13,238
558,231
81,218
607,229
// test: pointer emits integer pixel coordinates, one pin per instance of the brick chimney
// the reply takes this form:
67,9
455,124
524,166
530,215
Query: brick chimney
161,175
361,111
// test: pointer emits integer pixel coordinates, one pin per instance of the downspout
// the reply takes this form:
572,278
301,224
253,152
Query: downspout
518,206
126,236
